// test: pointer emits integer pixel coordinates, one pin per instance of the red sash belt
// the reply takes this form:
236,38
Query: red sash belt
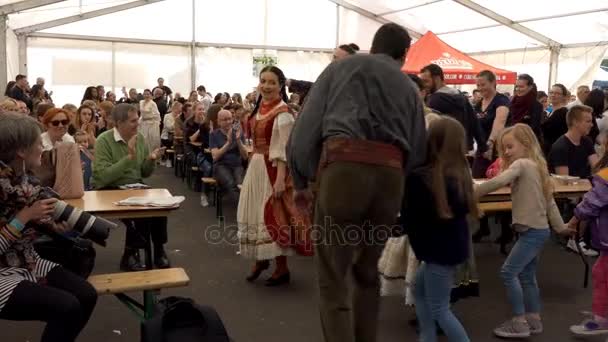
361,151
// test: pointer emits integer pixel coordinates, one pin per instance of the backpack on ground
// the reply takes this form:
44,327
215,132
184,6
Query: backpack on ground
179,319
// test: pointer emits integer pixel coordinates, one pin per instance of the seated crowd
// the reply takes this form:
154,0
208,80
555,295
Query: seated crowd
122,140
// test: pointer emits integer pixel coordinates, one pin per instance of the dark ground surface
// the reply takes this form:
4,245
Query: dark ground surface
253,312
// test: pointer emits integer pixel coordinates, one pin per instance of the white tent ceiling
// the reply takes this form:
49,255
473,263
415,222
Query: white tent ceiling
469,25
194,41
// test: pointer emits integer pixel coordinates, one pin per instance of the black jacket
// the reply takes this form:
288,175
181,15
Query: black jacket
458,107
435,240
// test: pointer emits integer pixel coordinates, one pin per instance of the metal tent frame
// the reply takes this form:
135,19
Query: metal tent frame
23,33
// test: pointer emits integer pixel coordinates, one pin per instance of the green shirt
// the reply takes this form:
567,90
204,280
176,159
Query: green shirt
112,166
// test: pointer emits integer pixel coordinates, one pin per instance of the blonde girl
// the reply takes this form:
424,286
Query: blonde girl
534,209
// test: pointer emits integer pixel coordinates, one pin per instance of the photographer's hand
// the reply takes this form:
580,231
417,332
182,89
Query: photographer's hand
40,210
61,227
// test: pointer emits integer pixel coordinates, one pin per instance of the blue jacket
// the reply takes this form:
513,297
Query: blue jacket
594,209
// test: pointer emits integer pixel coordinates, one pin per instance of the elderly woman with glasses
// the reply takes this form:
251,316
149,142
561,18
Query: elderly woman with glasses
32,288
56,122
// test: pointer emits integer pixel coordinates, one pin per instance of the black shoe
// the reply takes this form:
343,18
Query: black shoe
260,266
160,258
131,262
282,279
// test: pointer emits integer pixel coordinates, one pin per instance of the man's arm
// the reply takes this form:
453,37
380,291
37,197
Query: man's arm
558,159
593,159
305,142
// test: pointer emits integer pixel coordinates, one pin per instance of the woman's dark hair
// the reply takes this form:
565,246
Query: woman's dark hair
43,107
391,39
563,88
146,90
211,116
9,86
541,94
527,78
351,48
488,75
530,81
35,90
217,98
88,94
595,100
282,80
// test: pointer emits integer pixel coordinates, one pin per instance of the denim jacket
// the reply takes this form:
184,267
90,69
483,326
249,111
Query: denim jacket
594,209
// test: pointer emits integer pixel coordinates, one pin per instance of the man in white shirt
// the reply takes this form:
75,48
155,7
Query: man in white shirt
205,97
581,95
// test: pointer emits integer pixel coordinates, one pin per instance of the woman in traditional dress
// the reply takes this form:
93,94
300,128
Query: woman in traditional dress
149,125
269,226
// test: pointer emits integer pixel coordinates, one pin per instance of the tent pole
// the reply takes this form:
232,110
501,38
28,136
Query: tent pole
553,65
3,61
22,47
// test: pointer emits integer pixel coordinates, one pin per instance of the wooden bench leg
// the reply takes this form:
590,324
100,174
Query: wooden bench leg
143,311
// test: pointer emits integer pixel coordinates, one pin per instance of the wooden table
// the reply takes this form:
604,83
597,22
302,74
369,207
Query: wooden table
101,203
574,190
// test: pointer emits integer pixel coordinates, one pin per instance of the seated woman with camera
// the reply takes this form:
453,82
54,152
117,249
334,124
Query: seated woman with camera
32,288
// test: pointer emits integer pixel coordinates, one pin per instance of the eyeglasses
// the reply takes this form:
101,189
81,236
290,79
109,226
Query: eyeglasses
62,122
555,93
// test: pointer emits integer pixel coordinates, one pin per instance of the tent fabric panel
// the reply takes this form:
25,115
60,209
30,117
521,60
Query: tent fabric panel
441,16
383,6
319,35
518,10
144,22
89,63
592,27
140,65
12,55
59,10
230,21
355,28
489,39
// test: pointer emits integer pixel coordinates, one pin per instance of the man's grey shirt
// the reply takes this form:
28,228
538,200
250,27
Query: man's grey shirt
361,97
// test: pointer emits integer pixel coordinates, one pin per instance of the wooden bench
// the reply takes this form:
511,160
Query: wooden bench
217,196
494,207
150,282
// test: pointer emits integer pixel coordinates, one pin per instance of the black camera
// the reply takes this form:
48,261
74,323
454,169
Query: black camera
90,227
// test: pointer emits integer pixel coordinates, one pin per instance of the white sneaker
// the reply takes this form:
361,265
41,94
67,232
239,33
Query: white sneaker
586,251
169,163
204,201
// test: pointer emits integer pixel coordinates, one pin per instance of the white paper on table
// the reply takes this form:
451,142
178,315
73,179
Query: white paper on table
153,201
134,186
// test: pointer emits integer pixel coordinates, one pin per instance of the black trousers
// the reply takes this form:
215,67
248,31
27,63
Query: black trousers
65,303
137,231
228,177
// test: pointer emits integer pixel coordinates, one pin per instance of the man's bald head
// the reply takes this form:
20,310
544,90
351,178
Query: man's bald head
224,119
158,93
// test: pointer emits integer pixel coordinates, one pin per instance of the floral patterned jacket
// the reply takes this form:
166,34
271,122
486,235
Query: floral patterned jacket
17,192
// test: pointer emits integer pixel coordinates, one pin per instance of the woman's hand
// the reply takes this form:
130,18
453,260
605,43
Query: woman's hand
303,200
279,187
40,210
